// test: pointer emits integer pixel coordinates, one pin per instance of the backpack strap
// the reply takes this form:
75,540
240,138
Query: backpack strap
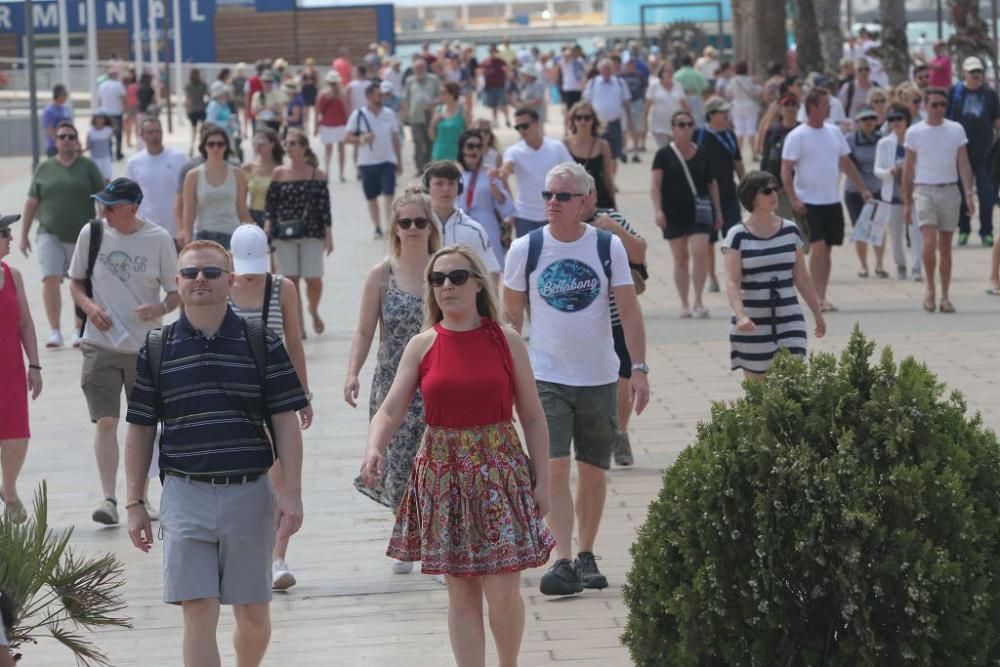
268,288
535,240
850,97
256,335
155,342
93,250
604,252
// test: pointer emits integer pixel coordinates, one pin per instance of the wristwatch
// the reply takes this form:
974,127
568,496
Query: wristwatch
642,368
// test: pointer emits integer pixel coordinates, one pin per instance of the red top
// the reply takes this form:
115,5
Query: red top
467,377
254,85
13,387
493,72
331,110
343,68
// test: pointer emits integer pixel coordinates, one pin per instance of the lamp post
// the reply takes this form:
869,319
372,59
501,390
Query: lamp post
29,23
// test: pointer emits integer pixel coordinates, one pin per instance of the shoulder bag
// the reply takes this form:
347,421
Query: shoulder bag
293,228
702,205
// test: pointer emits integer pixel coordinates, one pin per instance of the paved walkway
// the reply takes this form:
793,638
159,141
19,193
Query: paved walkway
348,609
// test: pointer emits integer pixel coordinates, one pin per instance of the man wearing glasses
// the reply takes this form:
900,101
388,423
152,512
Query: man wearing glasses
975,106
134,264
59,197
854,94
530,159
219,514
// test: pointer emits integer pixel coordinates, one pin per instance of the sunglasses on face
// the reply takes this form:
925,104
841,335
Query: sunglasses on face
584,117
976,71
210,272
938,105
419,223
215,144
521,127
458,277
769,190
548,195
893,119
473,147
862,69
66,137
684,126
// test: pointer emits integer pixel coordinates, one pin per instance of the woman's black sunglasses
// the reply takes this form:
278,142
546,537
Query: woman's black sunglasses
458,277
419,223
769,190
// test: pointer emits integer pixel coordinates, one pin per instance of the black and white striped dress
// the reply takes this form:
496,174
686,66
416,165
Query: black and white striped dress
769,299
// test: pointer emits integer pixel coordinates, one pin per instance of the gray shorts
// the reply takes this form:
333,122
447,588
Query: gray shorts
587,417
105,373
937,206
53,255
217,540
299,257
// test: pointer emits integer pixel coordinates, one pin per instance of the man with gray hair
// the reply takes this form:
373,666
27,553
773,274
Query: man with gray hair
568,271
854,93
610,97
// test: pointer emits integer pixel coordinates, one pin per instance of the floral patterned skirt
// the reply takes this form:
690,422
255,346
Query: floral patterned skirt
469,508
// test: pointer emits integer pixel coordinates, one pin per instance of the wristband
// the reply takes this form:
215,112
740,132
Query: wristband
134,503
35,367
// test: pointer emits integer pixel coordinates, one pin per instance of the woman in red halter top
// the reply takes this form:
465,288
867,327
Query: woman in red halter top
473,508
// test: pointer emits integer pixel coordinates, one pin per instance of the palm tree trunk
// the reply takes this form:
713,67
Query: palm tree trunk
831,39
808,54
895,49
771,34
972,33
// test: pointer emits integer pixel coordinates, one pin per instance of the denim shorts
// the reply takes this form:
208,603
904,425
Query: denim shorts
378,179
587,417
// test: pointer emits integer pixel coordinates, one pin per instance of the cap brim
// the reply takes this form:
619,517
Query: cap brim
9,219
250,265
111,201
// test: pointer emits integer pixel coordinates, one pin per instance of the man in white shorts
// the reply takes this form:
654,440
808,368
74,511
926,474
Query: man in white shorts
936,156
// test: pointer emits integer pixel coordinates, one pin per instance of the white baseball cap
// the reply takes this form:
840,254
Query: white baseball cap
249,248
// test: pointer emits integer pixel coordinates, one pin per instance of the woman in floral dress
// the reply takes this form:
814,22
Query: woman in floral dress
393,303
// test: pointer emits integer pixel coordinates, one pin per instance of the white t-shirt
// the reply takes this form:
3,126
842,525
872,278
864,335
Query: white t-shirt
572,74
383,126
112,93
816,153
356,93
571,341
607,97
936,147
157,176
131,270
530,168
460,229
664,104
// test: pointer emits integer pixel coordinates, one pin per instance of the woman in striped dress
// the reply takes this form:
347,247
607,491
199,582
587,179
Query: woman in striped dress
764,268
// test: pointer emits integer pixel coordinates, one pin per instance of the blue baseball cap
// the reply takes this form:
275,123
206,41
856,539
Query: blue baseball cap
120,191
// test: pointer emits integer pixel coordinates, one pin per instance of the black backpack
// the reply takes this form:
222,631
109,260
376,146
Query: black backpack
94,247
256,334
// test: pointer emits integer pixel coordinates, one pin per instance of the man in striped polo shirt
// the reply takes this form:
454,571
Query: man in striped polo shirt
217,509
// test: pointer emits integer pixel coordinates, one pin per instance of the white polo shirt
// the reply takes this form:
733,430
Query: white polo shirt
383,126
607,97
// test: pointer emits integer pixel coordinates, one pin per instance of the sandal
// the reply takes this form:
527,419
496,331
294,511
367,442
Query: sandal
863,274
994,291
881,273
701,313
827,307
685,314
16,511
929,305
946,306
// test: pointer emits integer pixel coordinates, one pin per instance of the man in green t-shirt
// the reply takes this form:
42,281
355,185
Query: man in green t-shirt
59,197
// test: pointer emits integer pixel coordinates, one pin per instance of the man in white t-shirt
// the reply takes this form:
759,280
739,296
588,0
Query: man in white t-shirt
812,158
567,271
572,72
374,130
609,95
936,155
156,169
530,160
443,183
113,96
136,262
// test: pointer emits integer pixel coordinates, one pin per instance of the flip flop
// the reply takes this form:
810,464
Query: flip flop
862,274
685,314
828,308
929,306
881,274
993,291
318,326
946,307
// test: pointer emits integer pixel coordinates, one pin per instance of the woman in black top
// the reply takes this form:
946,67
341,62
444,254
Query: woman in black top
674,205
590,150
298,218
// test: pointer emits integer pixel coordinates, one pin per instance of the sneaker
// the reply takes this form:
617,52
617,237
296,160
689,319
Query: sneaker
988,241
713,285
586,570
623,450
281,577
55,340
963,238
401,566
106,513
636,158
76,340
917,276
377,235
561,579
900,273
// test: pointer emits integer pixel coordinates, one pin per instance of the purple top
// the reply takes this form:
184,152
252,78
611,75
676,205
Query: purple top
51,117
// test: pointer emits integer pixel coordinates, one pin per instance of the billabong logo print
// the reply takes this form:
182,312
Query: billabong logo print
569,285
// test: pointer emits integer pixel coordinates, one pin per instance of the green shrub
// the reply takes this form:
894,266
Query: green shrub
837,514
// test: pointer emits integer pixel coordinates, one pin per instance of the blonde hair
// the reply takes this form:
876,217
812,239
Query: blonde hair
206,245
487,303
412,195
595,125
876,94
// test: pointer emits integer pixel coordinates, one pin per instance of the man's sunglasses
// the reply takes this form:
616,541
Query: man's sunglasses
458,277
547,195
66,137
683,125
210,272
419,223
521,127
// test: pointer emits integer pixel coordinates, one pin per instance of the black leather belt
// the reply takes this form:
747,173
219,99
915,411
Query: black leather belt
216,480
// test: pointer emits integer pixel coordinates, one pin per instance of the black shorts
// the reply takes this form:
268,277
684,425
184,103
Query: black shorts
570,97
826,223
678,227
196,117
621,349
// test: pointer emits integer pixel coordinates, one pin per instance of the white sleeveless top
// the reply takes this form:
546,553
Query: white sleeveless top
216,210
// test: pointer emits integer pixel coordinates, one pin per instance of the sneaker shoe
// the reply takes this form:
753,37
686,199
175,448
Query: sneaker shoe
281,577
586,570
901,273
988,241
55,340
106,513
623,450
561,579
713,285
917,276
401,566
377,235
963,238
76,340
636,158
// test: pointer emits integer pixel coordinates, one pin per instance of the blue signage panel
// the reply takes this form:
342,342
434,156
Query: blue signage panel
626,12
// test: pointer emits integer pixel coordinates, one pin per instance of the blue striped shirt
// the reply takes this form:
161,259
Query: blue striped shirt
211,399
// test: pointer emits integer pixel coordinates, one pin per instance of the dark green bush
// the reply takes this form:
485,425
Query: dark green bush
837,514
